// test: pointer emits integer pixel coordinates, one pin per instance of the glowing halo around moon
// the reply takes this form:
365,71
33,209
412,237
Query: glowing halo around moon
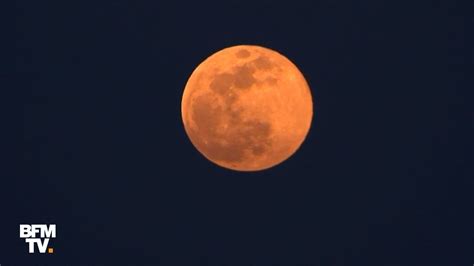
247,108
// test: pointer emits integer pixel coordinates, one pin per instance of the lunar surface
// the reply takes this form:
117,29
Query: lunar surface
247,108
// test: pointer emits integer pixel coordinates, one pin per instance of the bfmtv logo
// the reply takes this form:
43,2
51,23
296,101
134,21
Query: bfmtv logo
38,235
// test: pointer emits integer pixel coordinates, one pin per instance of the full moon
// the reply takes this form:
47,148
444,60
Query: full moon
247,108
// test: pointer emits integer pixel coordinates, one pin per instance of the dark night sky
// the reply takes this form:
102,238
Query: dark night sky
385,176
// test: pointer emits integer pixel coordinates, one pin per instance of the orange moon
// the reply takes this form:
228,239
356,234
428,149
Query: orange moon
247,108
